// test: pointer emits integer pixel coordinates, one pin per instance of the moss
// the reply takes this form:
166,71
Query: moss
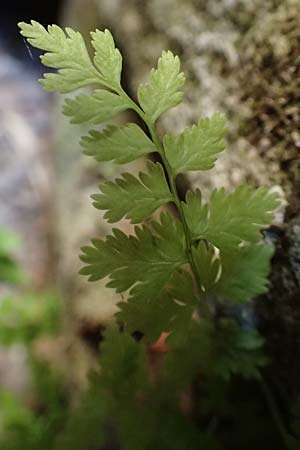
269,85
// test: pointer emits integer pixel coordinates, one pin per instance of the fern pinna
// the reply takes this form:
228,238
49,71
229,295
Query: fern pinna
178,271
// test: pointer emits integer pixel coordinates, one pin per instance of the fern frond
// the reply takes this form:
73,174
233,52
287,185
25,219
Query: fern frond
198,147
164,88
229,219
118,144
132,197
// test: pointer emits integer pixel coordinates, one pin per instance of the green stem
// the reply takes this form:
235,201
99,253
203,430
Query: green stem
203,307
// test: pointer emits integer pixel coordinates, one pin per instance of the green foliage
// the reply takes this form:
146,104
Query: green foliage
134,198
16,414
237,276
124,364
179,271
25,317
163,91
148,258
152,317
84,427
18,424
121,145
217,352
170,310
228,220
21,427
9,270
198,147
96,108
145,415
239,352
66,51
108,59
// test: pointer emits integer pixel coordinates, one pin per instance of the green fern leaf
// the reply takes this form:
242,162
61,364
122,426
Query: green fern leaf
66,51
119,144
146,413
132,197
237,352
167,311
198,147
123,360
148,258
96,108
85,427
160,425
230,219
108,59
182,290
215,352
235,276
163,91
245,274
151,318
181,324
208,266
195,349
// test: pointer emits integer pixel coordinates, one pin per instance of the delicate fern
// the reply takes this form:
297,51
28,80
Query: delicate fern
141,196
164,89
177,270
198,147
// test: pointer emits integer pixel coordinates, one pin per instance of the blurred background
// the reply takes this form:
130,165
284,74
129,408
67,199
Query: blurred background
241,57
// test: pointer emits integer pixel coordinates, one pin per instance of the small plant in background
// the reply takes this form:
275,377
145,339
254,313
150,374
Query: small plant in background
24,315
182,273
24,318
9,270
